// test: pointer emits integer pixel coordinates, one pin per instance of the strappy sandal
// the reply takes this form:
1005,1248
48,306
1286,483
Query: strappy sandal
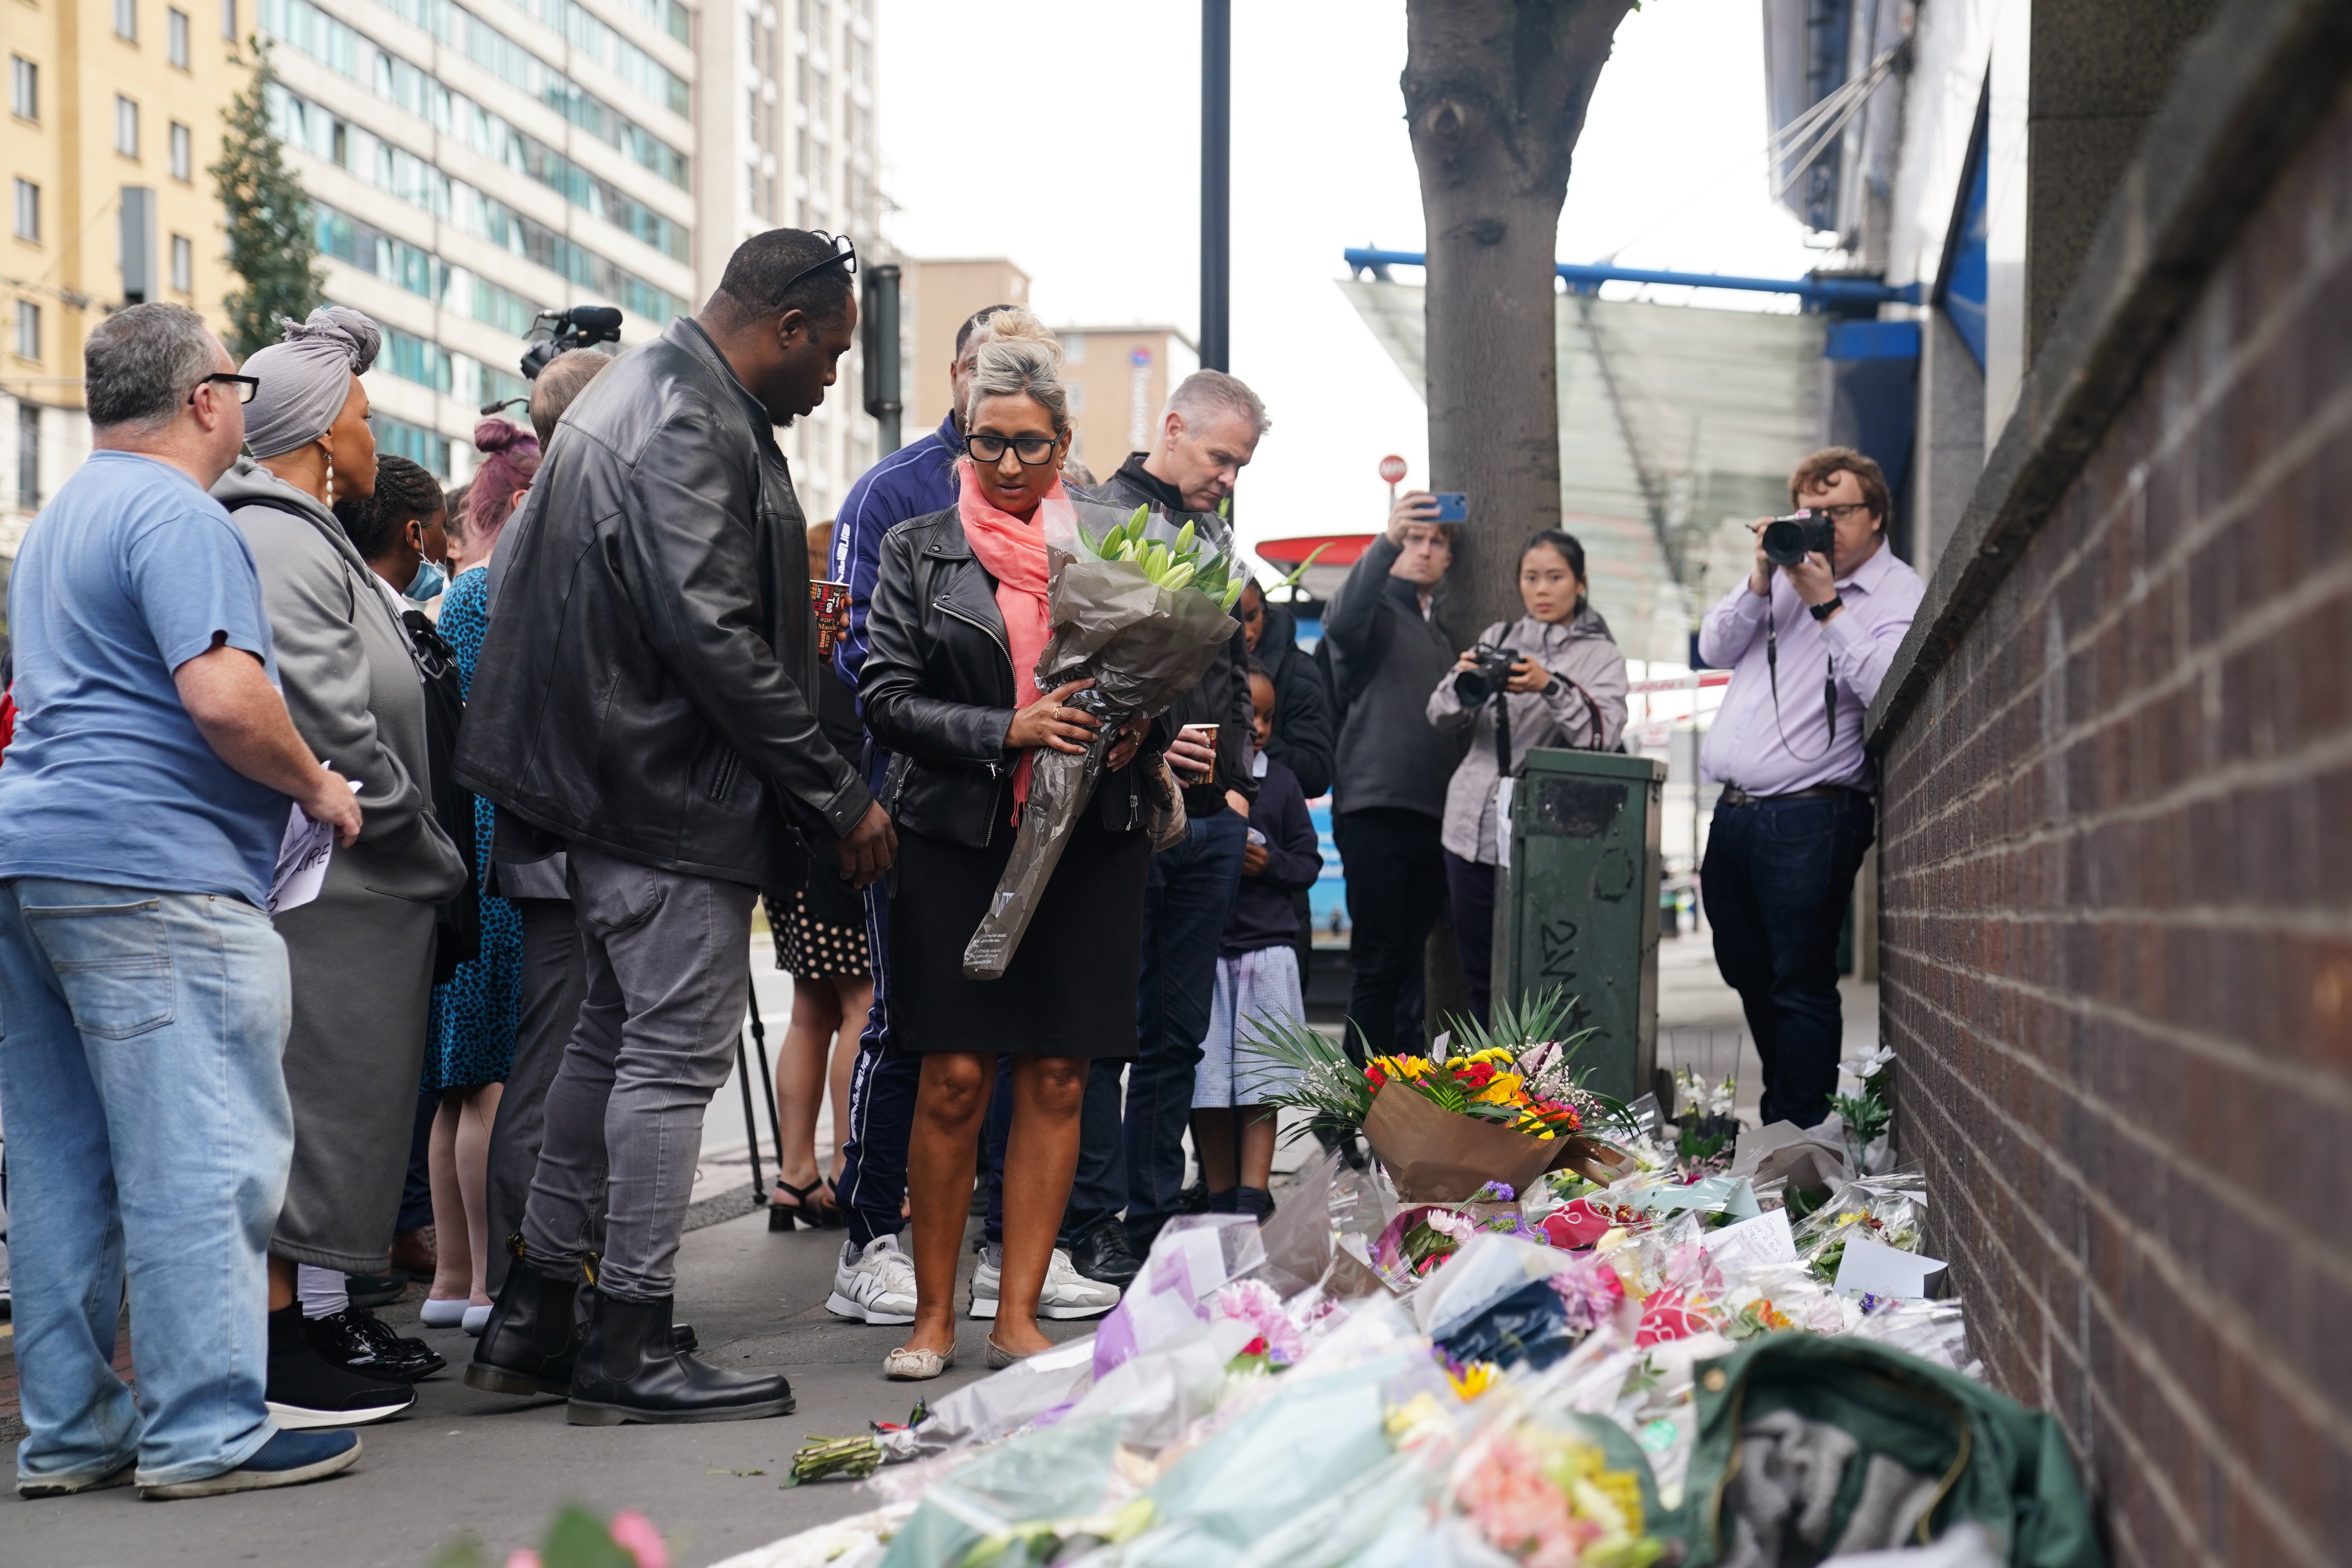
804,1209
918,1366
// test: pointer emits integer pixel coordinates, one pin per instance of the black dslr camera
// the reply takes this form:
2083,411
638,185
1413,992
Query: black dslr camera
577,328
1788,540
1491,673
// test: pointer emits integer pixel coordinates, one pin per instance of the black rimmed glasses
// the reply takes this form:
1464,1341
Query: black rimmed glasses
1841,511
245,385
845,256
1035,451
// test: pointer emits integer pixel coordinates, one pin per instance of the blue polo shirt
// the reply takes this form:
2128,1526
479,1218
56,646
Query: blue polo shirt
131,571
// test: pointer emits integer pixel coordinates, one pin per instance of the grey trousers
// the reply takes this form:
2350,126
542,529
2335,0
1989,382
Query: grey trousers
554,979
668,960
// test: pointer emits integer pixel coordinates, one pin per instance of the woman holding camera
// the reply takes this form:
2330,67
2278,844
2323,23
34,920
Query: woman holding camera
1561,678
958,620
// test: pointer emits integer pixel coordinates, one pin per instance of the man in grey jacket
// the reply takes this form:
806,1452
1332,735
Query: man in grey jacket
1389,792
642,698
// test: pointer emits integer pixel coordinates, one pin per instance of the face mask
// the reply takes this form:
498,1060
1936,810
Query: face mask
430,580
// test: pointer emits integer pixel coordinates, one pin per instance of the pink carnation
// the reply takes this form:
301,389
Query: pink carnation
1516,1506
1590,1290
1253,1302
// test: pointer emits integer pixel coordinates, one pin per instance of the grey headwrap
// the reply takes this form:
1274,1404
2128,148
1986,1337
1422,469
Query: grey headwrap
305,379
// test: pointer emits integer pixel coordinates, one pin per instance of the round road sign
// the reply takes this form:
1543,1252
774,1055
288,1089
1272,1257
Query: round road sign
1392,467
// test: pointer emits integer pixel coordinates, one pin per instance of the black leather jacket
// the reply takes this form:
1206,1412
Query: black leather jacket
644,685
937,690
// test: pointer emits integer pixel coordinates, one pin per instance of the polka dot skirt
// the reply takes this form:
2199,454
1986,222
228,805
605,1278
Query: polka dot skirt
808,948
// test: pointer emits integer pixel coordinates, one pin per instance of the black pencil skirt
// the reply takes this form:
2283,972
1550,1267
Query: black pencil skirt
1070,988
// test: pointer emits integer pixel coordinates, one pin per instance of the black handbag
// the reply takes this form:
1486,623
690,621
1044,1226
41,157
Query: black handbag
458,935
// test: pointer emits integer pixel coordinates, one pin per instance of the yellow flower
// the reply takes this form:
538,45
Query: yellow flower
1503,1089
1474,1379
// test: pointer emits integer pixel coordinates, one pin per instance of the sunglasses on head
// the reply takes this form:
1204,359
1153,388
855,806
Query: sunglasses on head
845,256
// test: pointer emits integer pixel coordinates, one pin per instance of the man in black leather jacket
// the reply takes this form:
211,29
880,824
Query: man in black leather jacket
1211,429
643,696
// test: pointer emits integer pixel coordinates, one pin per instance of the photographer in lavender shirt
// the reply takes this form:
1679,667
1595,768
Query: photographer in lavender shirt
1808,644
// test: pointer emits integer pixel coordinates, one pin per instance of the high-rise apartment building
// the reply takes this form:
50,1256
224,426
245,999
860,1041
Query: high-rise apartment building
472,163
787,115
114,111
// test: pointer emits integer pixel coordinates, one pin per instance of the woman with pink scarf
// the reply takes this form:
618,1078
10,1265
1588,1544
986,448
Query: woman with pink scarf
959,617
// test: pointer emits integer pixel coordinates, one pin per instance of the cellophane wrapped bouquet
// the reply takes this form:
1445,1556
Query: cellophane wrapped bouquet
1269,1397
1499,1104
1141,610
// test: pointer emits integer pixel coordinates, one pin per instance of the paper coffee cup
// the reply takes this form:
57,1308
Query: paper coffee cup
830,602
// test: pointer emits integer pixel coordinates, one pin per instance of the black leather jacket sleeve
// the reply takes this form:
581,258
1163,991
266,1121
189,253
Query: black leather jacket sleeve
697,576
905,711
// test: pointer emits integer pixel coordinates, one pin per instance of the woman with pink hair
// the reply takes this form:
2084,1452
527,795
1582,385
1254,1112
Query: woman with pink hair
475,1011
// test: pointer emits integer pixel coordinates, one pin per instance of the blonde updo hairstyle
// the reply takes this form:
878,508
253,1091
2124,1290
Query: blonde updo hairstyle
1021,358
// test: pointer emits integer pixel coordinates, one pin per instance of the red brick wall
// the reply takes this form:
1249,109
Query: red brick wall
2117,925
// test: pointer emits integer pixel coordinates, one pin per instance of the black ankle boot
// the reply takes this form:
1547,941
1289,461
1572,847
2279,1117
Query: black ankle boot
1223,1202
630,1369
529,1346
1254,1202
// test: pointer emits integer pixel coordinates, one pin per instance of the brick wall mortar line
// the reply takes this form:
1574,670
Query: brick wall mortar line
2240,920
2327,425
2249,1212
2214,1311
2219,1051
2224,779
2151,1475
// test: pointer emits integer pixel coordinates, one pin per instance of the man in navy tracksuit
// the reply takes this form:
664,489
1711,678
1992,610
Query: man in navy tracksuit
874,1282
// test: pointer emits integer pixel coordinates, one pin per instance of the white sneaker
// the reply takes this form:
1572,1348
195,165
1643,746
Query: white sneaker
1067,1293
875,1286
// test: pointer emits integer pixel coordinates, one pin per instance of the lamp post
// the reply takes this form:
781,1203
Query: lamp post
1217,207
883,398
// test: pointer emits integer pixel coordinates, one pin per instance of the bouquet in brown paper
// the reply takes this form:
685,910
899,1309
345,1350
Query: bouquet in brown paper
1499,1104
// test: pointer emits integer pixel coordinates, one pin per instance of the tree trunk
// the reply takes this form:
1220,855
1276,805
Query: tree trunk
1494,94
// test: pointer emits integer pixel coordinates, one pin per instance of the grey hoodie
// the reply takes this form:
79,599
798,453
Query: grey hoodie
1586,663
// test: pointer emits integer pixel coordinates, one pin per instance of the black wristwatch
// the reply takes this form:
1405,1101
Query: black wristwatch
1828,607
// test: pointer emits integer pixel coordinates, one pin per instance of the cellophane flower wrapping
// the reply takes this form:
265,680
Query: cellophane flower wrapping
1144,647
1884,1209
1530,1398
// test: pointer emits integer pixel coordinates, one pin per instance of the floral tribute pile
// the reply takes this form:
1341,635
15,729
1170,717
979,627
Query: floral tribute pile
1519,1376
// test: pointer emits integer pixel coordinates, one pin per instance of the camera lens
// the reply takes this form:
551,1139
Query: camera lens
1784,541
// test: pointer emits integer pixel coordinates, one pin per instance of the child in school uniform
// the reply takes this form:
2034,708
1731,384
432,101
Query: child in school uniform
1257,978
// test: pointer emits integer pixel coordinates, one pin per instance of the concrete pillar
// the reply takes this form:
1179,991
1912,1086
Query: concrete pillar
1949,451
2099,68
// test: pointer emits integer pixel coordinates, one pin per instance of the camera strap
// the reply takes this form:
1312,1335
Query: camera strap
1772,674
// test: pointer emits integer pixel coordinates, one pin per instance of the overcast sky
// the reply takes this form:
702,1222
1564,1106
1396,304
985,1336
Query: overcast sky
1065,134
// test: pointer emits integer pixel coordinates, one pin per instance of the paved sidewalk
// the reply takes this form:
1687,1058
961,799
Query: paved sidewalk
468,1463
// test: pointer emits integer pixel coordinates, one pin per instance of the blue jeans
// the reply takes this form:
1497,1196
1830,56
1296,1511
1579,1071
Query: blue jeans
1187,899
142,1036
1777,877
1470,888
